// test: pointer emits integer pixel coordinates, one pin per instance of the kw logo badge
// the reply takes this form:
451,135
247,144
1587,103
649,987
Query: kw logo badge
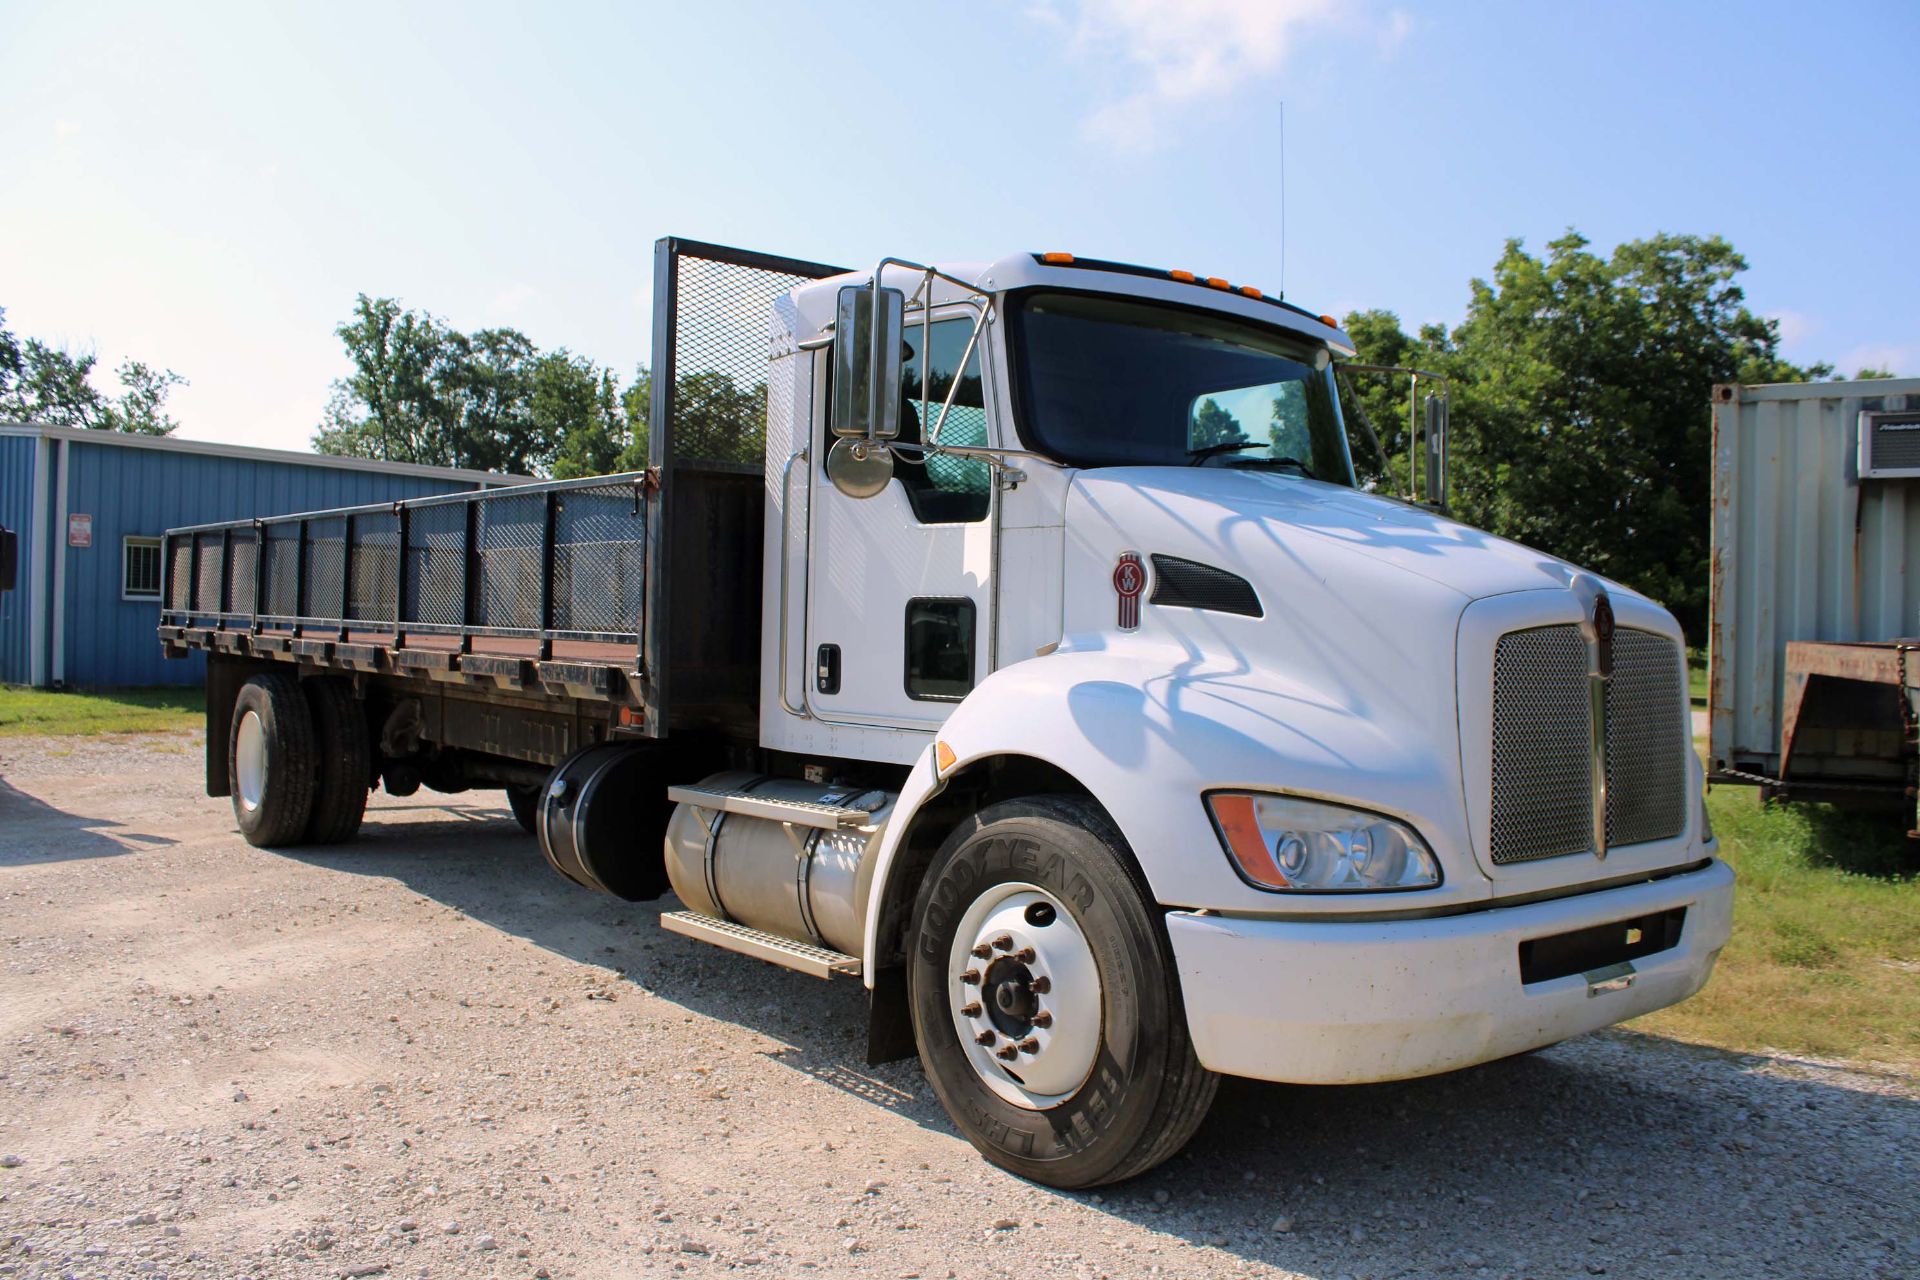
1129,580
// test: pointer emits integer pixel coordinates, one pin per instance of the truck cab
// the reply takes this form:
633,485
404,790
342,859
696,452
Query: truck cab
1019,638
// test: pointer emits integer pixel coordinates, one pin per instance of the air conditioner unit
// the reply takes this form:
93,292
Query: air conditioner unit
1889,445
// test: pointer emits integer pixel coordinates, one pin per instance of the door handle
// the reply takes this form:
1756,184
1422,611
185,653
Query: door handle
826,669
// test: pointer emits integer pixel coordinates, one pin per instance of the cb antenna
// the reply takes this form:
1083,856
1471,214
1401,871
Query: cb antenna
1283,198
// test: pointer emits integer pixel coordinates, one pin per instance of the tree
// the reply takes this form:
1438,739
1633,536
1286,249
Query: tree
422,391
48,384
1213,425
1579,390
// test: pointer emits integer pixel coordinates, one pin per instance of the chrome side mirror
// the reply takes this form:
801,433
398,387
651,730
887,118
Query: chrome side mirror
867,364
1435,408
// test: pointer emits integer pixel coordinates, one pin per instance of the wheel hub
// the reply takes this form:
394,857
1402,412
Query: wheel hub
1012,1002
1025,993
250,760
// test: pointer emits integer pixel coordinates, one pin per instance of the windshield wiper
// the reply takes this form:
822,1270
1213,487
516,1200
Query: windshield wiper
1302,467
1226,446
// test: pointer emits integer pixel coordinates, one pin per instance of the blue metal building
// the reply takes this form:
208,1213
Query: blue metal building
89,507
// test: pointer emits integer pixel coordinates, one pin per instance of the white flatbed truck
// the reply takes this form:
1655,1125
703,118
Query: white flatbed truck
1027,652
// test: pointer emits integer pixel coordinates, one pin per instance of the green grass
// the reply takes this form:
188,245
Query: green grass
39,711
1697,676
1825,954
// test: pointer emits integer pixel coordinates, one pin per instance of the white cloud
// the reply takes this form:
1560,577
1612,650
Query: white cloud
1795,326
1901,358
1176,54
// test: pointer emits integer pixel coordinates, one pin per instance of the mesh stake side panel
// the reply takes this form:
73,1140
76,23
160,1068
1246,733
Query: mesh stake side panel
1542,725
179,573
242,555
512,527
437,565
283,570
326,566
206,555
373,568
599,561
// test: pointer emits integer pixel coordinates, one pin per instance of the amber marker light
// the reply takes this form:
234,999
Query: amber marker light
1184,277
1057,258
1215,282
1330,322
943,759
1239,824
1251,292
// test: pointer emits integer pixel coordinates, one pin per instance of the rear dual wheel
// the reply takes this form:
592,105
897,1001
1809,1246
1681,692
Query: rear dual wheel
299,761
1045,1000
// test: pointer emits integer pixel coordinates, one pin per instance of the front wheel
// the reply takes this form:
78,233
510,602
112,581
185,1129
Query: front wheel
1045,1001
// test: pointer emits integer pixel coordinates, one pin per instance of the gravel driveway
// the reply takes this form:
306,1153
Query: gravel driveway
426,1055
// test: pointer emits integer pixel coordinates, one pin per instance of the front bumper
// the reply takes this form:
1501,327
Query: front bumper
1332,1002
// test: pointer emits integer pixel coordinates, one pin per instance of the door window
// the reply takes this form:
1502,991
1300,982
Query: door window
941,488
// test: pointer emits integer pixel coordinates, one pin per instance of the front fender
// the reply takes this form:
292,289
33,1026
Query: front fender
1147,731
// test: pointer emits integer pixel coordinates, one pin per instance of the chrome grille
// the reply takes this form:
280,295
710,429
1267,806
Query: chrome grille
1542,780
1646,741
1542,774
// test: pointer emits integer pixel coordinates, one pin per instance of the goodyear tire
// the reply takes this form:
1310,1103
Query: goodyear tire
343,755
270,760
525,802
1045,1001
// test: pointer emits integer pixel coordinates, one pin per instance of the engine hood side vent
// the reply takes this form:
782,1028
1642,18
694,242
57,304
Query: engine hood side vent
1188,584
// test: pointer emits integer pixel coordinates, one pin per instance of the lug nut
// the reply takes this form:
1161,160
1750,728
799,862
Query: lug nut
985,1037
982,951
971,977
1006,1053
1029,1045
973,1010
1041,1019
1024,955
1004,942
1042,985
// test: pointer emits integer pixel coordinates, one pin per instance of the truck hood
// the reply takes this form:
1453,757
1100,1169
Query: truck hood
1258,516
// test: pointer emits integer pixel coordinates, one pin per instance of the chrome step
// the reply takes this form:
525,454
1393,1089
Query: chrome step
804,813
771,947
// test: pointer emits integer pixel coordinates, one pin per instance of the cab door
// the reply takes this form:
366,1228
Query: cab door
899,585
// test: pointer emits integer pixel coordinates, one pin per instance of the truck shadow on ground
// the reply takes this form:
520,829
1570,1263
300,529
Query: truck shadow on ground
33,831
1545,1164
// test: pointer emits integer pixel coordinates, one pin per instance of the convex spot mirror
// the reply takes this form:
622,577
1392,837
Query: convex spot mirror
866,393
859,467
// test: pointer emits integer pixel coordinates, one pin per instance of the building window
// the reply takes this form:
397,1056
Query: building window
140,569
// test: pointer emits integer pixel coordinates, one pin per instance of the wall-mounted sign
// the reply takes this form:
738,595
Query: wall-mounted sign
79,530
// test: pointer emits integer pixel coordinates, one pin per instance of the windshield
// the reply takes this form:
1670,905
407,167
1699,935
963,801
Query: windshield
1110,381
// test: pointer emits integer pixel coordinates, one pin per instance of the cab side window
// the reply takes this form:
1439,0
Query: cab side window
941,488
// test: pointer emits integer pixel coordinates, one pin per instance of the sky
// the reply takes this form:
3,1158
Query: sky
206,187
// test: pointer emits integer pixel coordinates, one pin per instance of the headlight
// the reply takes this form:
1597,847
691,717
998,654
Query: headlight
1291,845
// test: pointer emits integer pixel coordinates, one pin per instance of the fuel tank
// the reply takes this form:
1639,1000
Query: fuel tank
800,881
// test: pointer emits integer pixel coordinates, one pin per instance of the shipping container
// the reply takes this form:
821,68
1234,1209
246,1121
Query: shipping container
1816,524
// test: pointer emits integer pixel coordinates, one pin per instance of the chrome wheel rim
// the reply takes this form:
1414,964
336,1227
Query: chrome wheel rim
1024,989
250,760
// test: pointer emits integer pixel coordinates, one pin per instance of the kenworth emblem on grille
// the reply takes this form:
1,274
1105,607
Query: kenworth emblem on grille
1596,628
1129,580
